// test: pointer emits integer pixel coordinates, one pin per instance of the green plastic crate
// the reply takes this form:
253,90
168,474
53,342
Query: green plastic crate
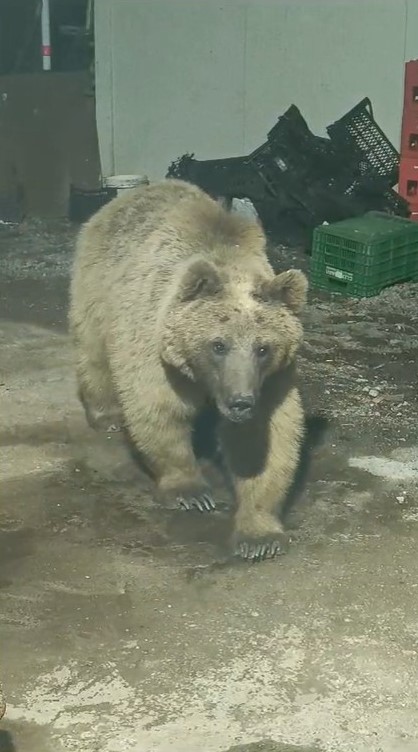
359,257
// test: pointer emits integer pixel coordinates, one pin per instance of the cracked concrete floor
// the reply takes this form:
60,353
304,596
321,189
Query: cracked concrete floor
121,626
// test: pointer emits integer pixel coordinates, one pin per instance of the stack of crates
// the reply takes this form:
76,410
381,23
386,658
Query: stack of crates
359,257
408,169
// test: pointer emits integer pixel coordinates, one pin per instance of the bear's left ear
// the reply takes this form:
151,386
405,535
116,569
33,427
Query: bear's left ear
200,280
289,288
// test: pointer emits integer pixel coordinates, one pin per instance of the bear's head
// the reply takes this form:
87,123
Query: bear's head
230,334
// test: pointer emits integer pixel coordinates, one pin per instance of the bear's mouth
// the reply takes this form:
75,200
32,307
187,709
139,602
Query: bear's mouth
237,416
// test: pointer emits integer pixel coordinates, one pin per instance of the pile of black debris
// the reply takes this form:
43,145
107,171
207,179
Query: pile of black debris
296,180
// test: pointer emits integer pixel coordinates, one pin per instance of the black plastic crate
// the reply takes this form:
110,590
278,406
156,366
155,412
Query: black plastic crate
358,129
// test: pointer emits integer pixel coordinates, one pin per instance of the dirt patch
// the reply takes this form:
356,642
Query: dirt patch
127,626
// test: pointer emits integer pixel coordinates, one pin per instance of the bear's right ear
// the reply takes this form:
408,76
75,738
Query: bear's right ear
200,280
289,288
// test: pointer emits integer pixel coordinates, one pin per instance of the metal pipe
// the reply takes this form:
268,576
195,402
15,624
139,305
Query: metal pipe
46,36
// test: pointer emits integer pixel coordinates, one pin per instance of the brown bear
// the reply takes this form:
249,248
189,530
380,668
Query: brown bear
174,306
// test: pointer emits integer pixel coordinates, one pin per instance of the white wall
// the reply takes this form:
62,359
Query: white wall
212,76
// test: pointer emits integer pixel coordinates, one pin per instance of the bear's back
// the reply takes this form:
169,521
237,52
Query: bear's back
139,241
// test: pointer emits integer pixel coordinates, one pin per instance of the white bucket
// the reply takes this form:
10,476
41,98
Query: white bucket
124,183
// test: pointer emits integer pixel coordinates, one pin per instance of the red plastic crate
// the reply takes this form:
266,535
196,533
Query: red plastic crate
408,179
410,103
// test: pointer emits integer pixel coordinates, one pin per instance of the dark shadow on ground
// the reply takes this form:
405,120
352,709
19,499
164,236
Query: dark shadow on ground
6,742
270,746
316,427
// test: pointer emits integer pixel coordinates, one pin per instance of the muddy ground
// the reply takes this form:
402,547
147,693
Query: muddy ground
122,625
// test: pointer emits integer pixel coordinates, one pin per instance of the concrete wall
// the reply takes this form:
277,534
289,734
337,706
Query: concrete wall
211,76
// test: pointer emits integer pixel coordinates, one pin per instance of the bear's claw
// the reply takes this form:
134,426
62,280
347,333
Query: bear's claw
259,551
203,502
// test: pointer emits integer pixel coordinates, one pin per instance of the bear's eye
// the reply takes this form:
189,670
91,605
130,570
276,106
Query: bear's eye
219,347
263,351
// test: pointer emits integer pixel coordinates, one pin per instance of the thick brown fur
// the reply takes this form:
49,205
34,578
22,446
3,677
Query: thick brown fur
160,276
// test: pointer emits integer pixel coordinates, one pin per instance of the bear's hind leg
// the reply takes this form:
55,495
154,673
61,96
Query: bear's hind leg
95,391
263,465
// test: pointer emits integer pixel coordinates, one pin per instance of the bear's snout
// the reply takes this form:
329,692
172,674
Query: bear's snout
240,407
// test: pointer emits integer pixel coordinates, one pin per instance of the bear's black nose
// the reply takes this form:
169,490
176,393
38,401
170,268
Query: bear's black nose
241,403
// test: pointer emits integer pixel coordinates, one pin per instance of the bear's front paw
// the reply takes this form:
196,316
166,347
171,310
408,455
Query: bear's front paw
199,498
260,547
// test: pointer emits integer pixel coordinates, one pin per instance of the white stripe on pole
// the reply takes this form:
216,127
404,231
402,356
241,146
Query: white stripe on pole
46,36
